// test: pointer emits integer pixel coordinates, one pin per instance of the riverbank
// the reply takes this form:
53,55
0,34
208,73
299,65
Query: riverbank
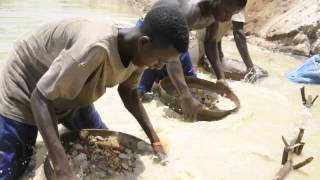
291,26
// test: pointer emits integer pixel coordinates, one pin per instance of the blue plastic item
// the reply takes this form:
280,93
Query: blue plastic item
309,72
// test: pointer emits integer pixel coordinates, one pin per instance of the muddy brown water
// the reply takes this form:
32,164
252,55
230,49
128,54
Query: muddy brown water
246,145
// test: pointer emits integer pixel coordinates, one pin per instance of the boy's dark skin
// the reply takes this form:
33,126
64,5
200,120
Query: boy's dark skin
199,14
241,43
133,47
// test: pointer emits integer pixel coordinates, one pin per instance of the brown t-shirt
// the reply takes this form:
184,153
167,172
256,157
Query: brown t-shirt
71,62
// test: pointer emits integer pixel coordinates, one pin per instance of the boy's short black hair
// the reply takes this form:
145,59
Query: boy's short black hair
240,3
165,23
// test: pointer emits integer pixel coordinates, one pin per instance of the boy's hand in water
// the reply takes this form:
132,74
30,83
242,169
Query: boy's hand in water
251,76
222,82
190,107
255,73
159,152
66,174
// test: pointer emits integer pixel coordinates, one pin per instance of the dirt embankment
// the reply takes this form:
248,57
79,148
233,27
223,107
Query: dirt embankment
289,25
141,5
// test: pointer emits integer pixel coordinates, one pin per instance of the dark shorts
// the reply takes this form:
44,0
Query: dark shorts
150,76
18,139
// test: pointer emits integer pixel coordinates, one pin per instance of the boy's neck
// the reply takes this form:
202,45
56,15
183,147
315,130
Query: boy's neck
127,39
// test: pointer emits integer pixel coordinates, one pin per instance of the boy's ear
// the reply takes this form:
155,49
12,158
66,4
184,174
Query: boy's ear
142,41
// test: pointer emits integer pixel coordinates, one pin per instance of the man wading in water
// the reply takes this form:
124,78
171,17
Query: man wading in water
55,74
201,14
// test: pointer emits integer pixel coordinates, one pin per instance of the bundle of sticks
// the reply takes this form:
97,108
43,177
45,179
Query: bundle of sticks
294,148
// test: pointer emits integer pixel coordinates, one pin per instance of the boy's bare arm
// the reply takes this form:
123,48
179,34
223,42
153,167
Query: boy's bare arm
241,42
189,105
46,121
132,102
211,50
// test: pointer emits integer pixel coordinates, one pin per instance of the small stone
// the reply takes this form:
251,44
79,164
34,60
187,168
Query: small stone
80,157
123,156
78,146
97,158
102,174
84,134
103,166
107,154
128,151
99,138
74,153
125,165
84,164
117,159
110,172
142,145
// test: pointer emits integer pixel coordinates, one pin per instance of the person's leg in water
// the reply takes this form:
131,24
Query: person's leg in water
17,141
147,79
151,76
85,118
187,66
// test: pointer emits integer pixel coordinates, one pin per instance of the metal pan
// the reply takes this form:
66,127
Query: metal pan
137,145
167,96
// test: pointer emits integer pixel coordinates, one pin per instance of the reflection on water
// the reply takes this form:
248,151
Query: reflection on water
18,17
244,145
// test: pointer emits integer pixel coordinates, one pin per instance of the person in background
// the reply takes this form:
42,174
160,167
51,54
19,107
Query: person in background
200,14
237,23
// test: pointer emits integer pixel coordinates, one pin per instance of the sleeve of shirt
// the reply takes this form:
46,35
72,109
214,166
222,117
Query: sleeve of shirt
133,81
239,17
68,73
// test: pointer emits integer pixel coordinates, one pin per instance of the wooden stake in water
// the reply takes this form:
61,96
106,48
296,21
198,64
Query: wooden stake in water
295,147
309,101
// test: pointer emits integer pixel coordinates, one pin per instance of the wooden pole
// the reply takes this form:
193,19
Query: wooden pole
300,148
285,155
303,95
298,140
303,163
314,99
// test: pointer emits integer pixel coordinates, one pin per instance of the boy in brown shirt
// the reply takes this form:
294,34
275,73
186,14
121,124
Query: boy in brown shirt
55,74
